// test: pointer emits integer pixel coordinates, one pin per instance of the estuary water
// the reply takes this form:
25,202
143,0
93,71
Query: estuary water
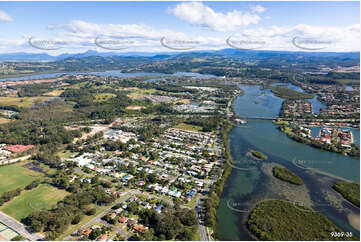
114,73
251,182
316,105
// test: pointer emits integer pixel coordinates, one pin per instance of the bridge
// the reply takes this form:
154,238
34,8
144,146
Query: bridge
259,118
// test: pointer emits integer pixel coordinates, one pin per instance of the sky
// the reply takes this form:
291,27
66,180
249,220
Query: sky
76,27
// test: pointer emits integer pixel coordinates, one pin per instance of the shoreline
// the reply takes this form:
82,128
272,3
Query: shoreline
243,221
327,126
316,145
354,219
25,75
227,157
97,70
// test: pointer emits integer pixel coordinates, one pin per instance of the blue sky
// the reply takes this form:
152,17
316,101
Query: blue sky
207,23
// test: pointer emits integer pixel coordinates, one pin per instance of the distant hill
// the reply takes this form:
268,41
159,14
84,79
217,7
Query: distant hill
22,56
259,54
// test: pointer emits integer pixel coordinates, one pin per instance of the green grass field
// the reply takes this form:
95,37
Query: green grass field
22,101
15,176
188,127
65,154
139,92
54,93
42,197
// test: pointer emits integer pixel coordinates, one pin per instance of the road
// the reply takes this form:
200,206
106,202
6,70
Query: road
202,228
18,227
100,215
228,111
152,196
115,228
15,160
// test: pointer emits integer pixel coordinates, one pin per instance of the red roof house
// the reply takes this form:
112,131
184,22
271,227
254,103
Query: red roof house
103,237
140,228
123,219
19,148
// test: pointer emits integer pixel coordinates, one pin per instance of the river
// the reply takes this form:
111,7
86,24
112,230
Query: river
114,73
252,182
316,105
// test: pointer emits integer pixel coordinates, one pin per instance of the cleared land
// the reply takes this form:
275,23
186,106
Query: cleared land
42,197
133,107
136,93
22,101
4,120
54,93
184,101
15,176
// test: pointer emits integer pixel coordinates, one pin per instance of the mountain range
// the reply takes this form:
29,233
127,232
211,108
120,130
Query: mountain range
23,56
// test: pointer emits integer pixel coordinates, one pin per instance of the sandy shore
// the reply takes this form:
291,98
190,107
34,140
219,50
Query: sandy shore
354,220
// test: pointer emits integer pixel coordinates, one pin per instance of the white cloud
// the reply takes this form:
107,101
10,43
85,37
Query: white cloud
280,37
257,8
82,29
199,14
4,17
80,37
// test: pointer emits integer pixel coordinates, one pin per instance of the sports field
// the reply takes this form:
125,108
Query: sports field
42,197
188,127
6,233
15,176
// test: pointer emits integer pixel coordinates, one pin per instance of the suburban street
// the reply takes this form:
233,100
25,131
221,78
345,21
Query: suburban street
116,228
202,228
100,215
